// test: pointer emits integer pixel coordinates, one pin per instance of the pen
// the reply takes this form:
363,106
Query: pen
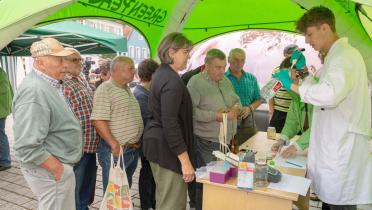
293,164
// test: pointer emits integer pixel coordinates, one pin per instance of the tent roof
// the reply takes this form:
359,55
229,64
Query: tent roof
18,16
202,19
71,34
207,19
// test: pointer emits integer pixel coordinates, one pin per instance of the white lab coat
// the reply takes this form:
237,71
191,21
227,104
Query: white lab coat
339,160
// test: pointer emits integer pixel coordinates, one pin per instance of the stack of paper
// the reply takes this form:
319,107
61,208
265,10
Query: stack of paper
294,184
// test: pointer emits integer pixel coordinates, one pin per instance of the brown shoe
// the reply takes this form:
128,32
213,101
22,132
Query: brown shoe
314,197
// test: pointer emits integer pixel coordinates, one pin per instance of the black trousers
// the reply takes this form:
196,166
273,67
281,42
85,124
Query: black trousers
278,120
146,185
326,206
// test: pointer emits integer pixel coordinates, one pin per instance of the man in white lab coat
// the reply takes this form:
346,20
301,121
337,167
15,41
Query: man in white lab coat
339,160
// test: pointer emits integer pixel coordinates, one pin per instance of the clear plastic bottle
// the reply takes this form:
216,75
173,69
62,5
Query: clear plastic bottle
269,90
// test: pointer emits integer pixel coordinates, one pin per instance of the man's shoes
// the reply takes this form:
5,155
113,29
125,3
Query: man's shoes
3,168
314,197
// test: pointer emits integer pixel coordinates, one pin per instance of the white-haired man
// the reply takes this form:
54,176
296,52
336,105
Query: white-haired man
47,134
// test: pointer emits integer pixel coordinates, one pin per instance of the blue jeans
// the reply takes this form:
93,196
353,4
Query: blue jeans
85,174
104,159
4,145
203,150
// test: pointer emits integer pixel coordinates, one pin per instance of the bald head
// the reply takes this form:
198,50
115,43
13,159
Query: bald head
122,70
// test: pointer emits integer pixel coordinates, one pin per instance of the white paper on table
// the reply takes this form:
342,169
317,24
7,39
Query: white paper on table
297,162
294,184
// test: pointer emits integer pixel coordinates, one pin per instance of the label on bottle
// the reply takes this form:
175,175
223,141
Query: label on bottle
277,86
268,91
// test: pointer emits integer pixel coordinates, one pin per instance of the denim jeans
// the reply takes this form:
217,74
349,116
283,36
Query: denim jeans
4,145
104,159
85,174
203,149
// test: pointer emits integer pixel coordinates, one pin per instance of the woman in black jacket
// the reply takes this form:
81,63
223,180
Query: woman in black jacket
168,137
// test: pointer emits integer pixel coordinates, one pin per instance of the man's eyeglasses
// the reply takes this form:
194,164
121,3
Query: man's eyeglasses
74,60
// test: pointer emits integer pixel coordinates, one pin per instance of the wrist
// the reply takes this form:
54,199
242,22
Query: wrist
298,148
113,143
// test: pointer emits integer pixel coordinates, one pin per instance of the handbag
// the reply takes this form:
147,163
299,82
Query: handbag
246,130
117,195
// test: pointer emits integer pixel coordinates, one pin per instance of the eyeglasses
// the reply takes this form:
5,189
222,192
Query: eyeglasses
301,74
74,60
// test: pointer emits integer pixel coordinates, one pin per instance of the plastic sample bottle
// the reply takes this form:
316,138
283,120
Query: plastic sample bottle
269,90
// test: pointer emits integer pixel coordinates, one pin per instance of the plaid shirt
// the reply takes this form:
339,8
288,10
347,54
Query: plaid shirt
80,97
246,88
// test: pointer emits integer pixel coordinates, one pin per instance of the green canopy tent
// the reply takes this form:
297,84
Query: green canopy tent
19,15
71,34
202,19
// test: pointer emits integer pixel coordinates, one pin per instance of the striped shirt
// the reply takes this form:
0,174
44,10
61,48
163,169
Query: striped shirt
246,88
80,98
119,107
282,100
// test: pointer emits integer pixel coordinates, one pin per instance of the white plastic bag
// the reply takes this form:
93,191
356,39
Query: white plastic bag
117,195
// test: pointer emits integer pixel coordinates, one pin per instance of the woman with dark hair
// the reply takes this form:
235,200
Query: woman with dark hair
146,183
168,137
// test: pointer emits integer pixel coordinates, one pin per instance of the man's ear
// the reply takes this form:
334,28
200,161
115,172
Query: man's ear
38,63
325,27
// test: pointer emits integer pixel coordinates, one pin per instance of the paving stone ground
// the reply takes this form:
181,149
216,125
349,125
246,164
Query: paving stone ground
16,195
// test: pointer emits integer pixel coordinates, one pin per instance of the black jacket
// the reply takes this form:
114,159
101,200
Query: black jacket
169,132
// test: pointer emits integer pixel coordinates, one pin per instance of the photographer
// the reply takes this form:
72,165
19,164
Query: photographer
87,66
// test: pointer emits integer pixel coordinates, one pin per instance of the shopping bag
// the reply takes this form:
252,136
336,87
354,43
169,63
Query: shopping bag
117,195
222,137
246,130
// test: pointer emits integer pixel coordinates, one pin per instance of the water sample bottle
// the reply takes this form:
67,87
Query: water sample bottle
269,90
261,169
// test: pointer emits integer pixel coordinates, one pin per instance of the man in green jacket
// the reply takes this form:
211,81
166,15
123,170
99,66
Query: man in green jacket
6,96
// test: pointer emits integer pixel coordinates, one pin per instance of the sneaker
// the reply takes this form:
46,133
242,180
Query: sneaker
3,168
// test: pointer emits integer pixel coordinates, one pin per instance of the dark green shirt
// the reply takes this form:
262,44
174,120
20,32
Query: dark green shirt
6,95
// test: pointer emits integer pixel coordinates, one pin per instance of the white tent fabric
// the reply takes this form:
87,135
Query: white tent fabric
366,2
9,64
10,28
179,16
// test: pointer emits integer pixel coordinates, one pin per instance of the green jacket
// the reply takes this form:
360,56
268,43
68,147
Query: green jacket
6,95
295,121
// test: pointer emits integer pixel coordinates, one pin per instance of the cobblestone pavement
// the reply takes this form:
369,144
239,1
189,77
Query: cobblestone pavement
16,195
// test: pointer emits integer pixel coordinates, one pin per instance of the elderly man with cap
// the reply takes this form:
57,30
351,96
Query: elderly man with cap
48,137
80,97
